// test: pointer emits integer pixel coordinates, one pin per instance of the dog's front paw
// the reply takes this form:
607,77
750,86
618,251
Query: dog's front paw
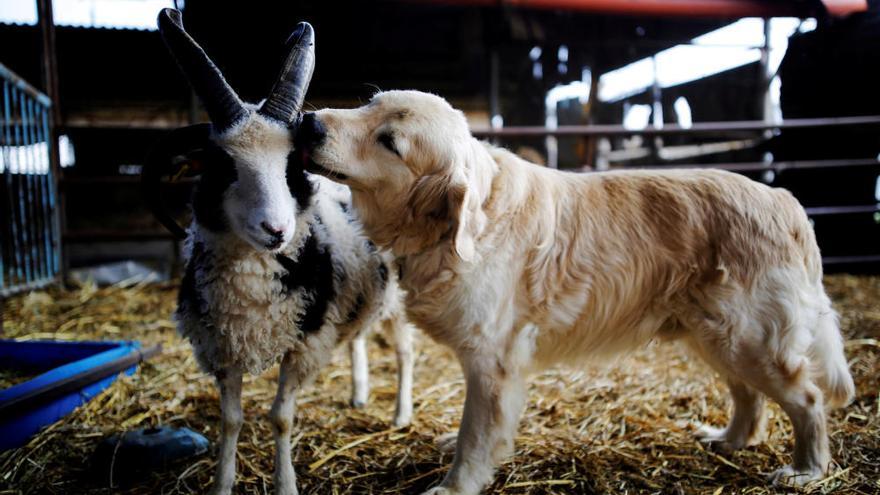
727,441
709,434
717,439
788,475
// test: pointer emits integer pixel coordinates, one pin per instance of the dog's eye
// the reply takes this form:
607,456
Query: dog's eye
387,140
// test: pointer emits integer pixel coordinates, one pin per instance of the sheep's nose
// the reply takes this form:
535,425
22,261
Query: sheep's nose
276,232
310,133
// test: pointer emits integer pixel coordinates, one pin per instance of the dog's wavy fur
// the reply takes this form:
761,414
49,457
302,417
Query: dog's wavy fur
517,267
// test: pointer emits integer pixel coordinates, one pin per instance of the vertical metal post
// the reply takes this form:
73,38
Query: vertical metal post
15,241
24,238
657,112
46,191
766,106
39,174
590,145
39,205
494,88
52,193
50,84
4,160
28,177
50,62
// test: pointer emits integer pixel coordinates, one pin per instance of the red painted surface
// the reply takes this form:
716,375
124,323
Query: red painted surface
675,8
845,7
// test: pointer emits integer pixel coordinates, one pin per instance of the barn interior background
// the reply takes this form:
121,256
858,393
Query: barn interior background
783,91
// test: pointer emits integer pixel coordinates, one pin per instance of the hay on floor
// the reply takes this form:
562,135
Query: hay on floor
627,428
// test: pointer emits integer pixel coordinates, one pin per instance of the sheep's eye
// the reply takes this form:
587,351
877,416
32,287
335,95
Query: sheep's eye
387,140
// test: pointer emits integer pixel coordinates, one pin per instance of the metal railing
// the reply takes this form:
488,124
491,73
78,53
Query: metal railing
724,127
29,222
731,128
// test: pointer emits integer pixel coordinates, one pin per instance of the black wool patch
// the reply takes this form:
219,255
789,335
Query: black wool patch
208,193
347,211
312,272
383,274
188,299
301,188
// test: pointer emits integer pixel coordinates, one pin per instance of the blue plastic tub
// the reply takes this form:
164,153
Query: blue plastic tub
72,373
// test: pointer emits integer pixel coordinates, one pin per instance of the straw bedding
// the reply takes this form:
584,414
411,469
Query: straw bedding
623,428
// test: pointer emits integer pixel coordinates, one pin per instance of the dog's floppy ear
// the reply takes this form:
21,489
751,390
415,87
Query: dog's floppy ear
442,202
464,212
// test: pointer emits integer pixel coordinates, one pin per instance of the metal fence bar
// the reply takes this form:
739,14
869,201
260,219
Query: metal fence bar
29,228
39,214
54,210
850,260
14,80
46,213
672,129
763,167
30,196
841,210
21,219
14,244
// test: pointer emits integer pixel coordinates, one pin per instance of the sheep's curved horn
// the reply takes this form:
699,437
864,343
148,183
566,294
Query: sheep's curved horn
286,98
223,105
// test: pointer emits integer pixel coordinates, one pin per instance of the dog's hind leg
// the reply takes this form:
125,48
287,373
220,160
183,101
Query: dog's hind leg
762,340
791,387
747,424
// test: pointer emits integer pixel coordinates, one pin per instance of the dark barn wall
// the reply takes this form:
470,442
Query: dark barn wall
114,75
99,68
832,72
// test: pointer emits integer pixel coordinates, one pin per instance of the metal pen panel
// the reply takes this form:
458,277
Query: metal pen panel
13,251
29,228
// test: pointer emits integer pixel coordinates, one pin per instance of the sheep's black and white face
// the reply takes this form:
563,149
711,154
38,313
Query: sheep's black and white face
247,186
259,204
252,188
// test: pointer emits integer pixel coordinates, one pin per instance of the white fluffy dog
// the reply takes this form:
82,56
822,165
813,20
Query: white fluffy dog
518,267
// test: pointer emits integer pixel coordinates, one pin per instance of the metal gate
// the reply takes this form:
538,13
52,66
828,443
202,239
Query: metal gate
29,222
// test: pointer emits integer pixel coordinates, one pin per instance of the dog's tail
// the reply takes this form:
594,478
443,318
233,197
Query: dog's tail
829,362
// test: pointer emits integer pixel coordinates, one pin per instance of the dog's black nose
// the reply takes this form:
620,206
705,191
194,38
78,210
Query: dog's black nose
310,133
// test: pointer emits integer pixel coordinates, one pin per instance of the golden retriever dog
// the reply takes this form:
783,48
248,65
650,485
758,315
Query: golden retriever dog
518,267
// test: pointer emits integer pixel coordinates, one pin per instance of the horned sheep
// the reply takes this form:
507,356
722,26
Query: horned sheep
277,266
